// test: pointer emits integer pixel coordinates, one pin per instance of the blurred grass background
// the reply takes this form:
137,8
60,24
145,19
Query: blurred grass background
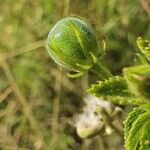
37,100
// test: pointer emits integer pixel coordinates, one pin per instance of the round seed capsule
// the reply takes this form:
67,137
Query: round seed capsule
73,44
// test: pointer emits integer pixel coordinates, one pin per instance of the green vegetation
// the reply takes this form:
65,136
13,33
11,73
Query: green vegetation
38,102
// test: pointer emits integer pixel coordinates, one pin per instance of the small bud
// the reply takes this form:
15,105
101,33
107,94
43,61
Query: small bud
138,79
73,44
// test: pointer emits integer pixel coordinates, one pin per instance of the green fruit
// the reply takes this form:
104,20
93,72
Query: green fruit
73,44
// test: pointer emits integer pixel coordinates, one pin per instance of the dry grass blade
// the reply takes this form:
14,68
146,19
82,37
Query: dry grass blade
21,99
146,6
55,115
28,48
5,94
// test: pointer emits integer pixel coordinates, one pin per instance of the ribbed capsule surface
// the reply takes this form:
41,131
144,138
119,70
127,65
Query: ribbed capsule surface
72,41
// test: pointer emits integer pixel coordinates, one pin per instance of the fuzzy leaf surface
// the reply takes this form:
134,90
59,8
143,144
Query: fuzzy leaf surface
145,139
132,116
133,138
114,90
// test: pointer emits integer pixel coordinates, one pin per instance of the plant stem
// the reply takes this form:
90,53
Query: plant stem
56,107
101,70
100,142
116,129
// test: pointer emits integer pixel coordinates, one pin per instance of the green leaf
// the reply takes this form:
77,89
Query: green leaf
145,139
145,105
144,46
134,134
138,80
132,116
114,90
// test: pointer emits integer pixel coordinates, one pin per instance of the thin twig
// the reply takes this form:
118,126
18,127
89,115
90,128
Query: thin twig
55,115
5,94
146,6
119,132
9,120
66,82
100,142
28,48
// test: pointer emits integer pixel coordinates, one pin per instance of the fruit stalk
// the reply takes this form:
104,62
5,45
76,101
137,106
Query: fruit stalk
101,70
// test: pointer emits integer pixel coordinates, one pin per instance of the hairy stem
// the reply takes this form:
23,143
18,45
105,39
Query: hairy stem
101,70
